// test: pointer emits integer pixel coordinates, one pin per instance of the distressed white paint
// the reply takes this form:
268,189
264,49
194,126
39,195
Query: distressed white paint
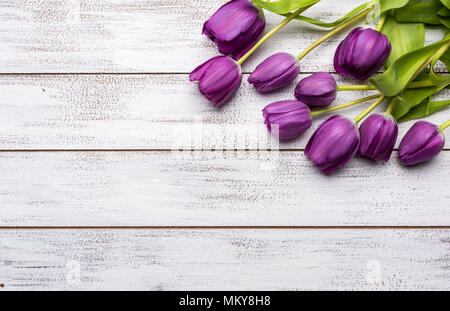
141,35
162,188
225,259
145,112
216,188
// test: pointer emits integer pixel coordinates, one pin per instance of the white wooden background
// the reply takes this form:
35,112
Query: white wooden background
95,97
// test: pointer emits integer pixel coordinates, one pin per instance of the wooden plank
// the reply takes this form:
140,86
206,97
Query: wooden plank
141,35
216,189
142,112
225,259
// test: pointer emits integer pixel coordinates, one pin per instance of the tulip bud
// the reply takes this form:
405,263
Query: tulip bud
287,118
378,136
333,144
275,72
317,90
421,143
362,53
219,78
235,27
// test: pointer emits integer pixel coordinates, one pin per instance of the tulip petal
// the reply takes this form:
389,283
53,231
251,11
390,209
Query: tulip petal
198,72
317,90
421,143
291,118
253,36
378,136
333,144
219,79
276,71
235,26
231,20
361,53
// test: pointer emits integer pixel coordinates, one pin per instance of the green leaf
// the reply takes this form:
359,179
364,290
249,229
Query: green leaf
425,108
392,4
404,37
343,19
284,6
404,69
444,16
384,6
445,12
411,98
445,21
446,3
423,12
439,80
446,59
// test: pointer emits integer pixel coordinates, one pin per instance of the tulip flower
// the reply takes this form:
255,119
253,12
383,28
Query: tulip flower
333,144
421,143
317,90
378,136
274,72
287,119
290,118
219,78
235,27
280,69
336,140
362,53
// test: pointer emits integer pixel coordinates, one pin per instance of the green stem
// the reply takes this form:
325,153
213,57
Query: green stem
369,109
414,85
355,102
392,105
333,32
381,22
355,87
271,33
445,125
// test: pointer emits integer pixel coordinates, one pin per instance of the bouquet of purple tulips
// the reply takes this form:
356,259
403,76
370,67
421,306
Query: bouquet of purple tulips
397,43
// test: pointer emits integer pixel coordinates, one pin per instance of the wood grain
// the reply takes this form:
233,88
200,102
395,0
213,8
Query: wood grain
141,35
79,78
225,259
144,112
216,189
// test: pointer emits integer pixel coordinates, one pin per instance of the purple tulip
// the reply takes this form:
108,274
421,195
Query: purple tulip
317,90
423,142
378,136
362,53
235,27
219,78
333,144
275,72
287,119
